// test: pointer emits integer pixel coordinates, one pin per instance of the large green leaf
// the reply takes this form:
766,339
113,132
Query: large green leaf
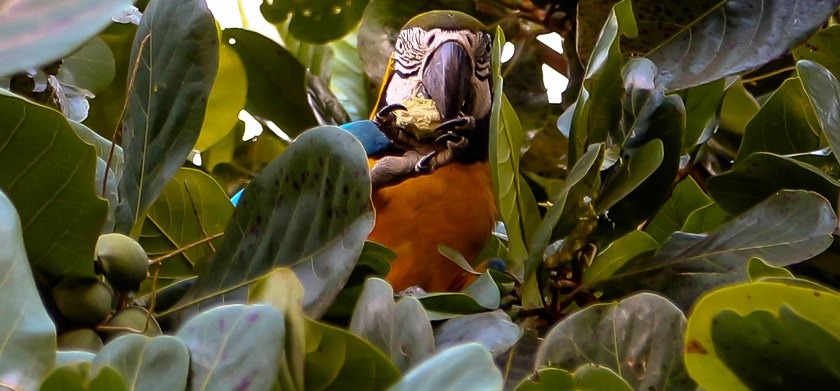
781,125
373,317
639,338
48,173
823,91
28,350
178,49
191,208
106,108
737,109
597,112
482,295
629,174
91,67
762,174
234,346
37,32
708,40
310,209
789,227
686,198
159,363
339,360
517,206
702,108
461,367
493,330
764,335
321,21
276,81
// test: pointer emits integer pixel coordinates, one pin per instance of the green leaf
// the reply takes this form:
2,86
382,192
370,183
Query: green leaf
586,377
597,112
373,318
348,80
639,337
686,198
324,21
777,343
79,377
706,219
616,254
517,206
227,99
762,174
48,173
159,363
493,330
234,346
36,33
767,320
787,228
781,126
282,290
271,69
106,108
310,209
737,109
577,183
412,339
823,92
192,207
702,105
91,67
28,350
822,48
462,367
696,50
641,98
482,295
630,174
757,270
667,124
64,357
337,359
178,48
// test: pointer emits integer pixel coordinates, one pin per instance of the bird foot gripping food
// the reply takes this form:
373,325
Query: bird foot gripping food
416,126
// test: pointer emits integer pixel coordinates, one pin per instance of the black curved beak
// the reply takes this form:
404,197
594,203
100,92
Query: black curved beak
447,78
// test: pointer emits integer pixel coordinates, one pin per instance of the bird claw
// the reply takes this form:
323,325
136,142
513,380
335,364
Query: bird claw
424,165
386,113
456,125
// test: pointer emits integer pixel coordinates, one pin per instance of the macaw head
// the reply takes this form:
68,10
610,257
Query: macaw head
443,56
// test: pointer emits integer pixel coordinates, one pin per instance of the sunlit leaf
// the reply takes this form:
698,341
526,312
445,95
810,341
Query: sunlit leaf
823,91
750,336
616,254
686,198
474,370
227,98
493,330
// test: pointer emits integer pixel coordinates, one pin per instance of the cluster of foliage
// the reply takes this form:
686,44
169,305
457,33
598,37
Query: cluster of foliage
669,226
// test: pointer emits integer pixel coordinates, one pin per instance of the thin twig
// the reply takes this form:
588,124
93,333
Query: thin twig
185,248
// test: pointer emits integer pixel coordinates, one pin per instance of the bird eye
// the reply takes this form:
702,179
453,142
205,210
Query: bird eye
430,38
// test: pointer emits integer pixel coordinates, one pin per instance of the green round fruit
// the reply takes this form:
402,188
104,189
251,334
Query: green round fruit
82,339
84,302
123,261
135,318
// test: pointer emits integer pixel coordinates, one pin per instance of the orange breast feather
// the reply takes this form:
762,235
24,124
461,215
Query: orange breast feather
452,206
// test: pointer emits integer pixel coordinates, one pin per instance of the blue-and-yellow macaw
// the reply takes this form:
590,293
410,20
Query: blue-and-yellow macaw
443,56
446,195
